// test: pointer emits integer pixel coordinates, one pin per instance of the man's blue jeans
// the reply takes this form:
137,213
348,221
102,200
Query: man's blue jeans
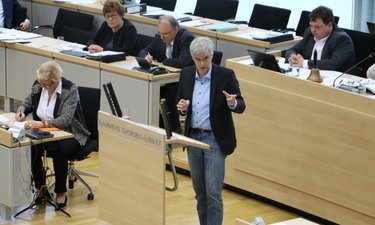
207,168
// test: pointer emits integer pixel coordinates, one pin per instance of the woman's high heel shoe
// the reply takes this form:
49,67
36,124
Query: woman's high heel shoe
62,204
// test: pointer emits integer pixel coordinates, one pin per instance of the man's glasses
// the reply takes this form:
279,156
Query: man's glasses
165,34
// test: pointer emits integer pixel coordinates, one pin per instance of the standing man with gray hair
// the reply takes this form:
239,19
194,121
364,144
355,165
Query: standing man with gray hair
208,94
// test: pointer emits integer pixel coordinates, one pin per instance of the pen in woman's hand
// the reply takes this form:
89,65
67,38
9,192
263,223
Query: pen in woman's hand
20,116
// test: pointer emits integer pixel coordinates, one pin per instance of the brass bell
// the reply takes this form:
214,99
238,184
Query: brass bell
315,75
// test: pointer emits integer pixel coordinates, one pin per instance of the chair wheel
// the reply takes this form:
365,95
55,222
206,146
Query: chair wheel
71,184
90,196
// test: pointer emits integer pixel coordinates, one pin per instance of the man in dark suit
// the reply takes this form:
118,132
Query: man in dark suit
8,9
335,50
208,94
170,35
170,47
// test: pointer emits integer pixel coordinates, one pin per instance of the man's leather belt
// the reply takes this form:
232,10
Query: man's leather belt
198,130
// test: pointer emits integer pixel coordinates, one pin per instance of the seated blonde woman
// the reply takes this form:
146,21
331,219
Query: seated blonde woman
371,72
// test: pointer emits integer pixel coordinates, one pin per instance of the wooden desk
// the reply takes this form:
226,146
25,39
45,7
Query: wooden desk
305,145
44,12
235,43
15,169
22,60
137,92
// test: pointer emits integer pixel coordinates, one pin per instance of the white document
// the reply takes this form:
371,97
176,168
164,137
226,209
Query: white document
195,23
104,53
12,35
70,46
18,125
3,119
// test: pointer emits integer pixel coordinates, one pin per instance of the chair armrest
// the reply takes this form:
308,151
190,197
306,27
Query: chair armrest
41,27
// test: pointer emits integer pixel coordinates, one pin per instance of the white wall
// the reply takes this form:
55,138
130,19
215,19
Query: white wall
341,8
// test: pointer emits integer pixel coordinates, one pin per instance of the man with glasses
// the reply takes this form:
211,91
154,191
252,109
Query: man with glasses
335,50
170,47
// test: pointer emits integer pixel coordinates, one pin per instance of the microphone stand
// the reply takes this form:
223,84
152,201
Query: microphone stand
355,65
47,196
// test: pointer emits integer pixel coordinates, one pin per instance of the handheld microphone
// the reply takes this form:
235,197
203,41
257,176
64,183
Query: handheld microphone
315,58
372,54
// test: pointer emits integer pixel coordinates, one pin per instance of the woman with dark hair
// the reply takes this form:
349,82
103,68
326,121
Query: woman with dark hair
116,33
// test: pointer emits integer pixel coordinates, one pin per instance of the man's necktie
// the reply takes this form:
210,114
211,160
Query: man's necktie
169,49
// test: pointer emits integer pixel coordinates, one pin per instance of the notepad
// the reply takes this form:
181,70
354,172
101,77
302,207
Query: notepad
221,27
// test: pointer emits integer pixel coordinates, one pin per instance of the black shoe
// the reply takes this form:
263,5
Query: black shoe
41,197
63,204
39,200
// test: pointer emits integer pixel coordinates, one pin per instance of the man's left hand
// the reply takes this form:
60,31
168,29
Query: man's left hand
231,99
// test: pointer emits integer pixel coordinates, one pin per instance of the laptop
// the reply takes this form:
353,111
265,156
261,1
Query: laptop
38,134
266,61
371,27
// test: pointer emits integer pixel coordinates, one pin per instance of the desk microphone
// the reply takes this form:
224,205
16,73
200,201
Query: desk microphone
372,54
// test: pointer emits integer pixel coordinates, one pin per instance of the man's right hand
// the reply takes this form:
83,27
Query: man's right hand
20,116
296,60
149,58
183,105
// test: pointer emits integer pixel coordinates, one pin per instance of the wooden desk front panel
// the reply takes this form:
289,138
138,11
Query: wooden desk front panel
21,72
305,145
232,49
2,71
132,95
81,74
